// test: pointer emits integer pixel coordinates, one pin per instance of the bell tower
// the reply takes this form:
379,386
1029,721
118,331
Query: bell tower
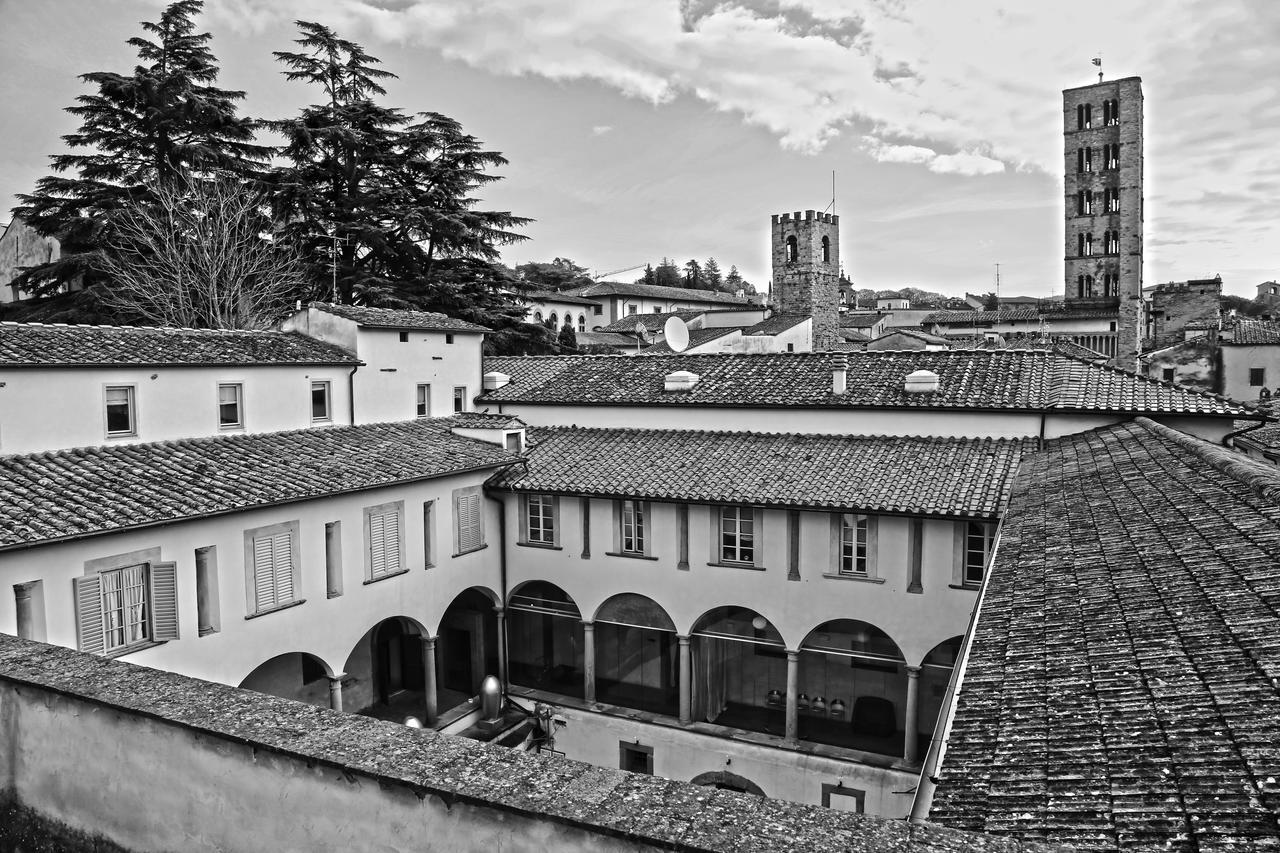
806,270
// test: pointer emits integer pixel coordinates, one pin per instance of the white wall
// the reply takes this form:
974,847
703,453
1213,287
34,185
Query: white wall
54,408
387,386
328,628
1236,361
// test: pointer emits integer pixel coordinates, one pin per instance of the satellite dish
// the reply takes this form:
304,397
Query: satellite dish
676,334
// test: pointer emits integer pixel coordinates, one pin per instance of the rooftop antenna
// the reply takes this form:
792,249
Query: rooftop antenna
832,207
1097,60
997,285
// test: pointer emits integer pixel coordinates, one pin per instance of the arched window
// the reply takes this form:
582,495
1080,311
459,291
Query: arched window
555,319
792,251
1080,292
568,319
1088,243
537,315
826,250
582,322
1088,285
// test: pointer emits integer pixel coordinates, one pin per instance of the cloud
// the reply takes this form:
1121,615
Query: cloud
601,129
961,163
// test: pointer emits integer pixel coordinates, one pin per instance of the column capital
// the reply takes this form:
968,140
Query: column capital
427,640
499,610
337,678
793,654
587,624
683,639
913,671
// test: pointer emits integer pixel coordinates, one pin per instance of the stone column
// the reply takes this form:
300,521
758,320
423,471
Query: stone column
26,620
686,681
335,691
910,748
793,680
502,647
429,680
588,661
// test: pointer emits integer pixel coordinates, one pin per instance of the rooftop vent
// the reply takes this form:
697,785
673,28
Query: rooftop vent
921,382
680,380
495,380
840,376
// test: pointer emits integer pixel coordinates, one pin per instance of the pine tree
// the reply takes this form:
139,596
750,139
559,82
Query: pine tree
693,275
162,125
667,274
711,275
374,199
650,277
733,281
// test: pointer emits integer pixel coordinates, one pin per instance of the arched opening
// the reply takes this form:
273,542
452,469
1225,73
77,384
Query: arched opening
935,677
739,671
637,655
853,688
582,322
298,676
555,318
544,640
537,315
726,781
385,670
466,647
792,252
826,250
568,319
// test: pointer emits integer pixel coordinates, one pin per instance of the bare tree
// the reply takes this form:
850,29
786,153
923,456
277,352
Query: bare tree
199,256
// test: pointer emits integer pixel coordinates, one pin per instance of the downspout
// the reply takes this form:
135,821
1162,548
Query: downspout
502,588
923,800
1234,434
351,395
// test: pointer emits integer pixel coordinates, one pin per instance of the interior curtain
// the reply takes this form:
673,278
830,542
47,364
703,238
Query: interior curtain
135,589
711,678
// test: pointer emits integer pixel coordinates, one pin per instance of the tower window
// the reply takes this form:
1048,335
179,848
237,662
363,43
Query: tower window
1111,156
1084,203
1111,112
1111,239
826,250
1084,117
1088,244
1112,198
791,249
1084,159
1111,284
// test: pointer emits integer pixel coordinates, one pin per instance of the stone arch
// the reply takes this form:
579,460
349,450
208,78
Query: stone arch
300,676
545,639
739,664
385,669
725,780
466,646
636,655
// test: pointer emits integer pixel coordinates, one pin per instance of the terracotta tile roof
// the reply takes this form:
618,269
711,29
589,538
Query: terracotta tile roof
697,337
558,296
480,420
859,321
102,489
1019,341
1120,690
776,324
969,379
398,318
657,291
616,340
652,322
57,345
917,476
913,333
1254,332
1267,437
1005,315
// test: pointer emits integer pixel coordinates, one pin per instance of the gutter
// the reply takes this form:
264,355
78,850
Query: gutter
928,783
1234,434
351,394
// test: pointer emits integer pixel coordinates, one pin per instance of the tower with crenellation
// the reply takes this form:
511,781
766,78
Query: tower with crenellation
806,271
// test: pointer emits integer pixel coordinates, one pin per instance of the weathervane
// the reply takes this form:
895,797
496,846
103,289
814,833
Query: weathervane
1097,60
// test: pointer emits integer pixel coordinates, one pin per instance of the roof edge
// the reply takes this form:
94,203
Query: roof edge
1261,477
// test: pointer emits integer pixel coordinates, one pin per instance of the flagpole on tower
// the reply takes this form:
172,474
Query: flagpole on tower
1097,60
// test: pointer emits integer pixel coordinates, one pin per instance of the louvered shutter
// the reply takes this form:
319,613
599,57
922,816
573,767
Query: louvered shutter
469,523
391,539
264,580
164,601
88,594
282,564
384,543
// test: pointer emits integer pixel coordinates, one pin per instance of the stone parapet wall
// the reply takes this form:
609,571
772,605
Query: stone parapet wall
110,756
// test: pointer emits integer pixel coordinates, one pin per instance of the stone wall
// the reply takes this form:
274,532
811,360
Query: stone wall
808,284
102,755
21,246
1174,304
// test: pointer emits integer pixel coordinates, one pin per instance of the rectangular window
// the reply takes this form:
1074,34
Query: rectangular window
126,605
977,548
229,414
853,544
737,534
448,337
120,411
271,564
424,401
633,521
320,401
511,441
384,552
1168,374
1257,377
598,310
404,337
540,519
635,757
460,398
468,520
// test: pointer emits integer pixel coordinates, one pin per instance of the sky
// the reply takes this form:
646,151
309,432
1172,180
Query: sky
638,129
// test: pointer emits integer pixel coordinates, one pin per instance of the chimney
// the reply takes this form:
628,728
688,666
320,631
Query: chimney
680,380
840,375
495,380
921,382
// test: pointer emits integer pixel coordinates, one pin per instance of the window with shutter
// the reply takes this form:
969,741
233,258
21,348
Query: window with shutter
271,567
126,608
382,525
468,522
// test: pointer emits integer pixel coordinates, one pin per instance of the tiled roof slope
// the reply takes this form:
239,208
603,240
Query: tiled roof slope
776,324
56,345
917,476
652,322
101,489
1005,315
559,296
969,379
658,291
859,321
1255,332
1120,691
398,318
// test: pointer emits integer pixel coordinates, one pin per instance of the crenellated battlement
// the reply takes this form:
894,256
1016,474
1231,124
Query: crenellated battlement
809,216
